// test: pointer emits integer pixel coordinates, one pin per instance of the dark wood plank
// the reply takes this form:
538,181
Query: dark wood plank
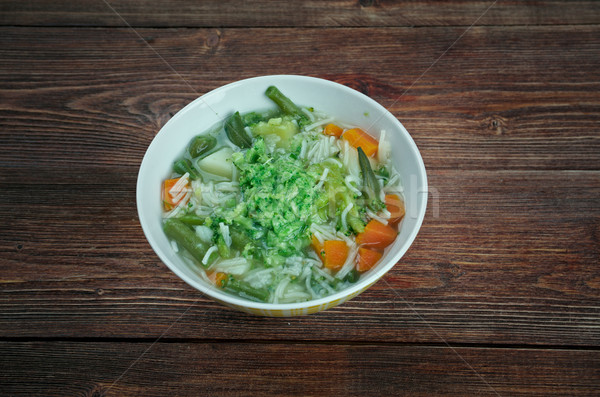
507,257
249,369
501,98
237,13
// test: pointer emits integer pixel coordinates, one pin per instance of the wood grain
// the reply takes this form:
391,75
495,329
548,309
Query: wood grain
339,13
499,294
511,106
123,369
508,258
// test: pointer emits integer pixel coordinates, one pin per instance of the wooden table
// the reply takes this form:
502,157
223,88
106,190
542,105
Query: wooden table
499,294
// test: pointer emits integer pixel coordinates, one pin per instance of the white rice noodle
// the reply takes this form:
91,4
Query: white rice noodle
303,149
394,184
325,286
384,150
235,266
318,123
345,215
348,182
205,233
334,161
224,229
326,231
349,157
321,149
324,273
208,254
309,288
319,185
308,114
259,278
174,246
174,212
280,289
377,217
350,261
180,184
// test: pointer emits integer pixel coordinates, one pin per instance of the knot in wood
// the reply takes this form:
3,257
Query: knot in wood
366,3
213,39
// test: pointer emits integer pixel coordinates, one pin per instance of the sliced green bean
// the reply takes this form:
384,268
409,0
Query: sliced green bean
201,144
191,219
236,132
371,187
179,232
244,289
222,247
284,103
182,166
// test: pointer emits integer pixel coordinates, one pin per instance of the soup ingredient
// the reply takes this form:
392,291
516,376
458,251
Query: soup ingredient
367,258
249,214
376,235
183,166
333,130
201,144
243,289
396,208
279,194
335,253
236,131
282,129
218,163
179,232
287,106
371,187
174,194
357,138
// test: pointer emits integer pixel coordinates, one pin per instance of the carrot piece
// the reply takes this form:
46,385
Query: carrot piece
358,138
336,252
220,278
376,235
169,199
334,130
367,258
396,208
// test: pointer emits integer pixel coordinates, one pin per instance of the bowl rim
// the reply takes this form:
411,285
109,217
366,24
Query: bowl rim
339,296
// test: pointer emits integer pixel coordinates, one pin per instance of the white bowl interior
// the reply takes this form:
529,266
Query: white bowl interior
339,101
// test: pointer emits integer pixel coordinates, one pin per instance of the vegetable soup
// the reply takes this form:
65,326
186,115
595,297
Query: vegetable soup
283,205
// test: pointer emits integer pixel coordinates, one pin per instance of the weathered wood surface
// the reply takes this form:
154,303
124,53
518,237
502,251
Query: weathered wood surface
240,13
501,98
250,369
500,293
468,278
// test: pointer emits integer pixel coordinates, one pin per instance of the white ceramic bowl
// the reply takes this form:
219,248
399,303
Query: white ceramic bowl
339,101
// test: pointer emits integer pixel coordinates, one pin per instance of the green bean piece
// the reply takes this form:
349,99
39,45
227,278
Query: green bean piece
284,103
244,289
371,186
179,232
191,219
182,166
222,247
352,276
236,132
201,144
